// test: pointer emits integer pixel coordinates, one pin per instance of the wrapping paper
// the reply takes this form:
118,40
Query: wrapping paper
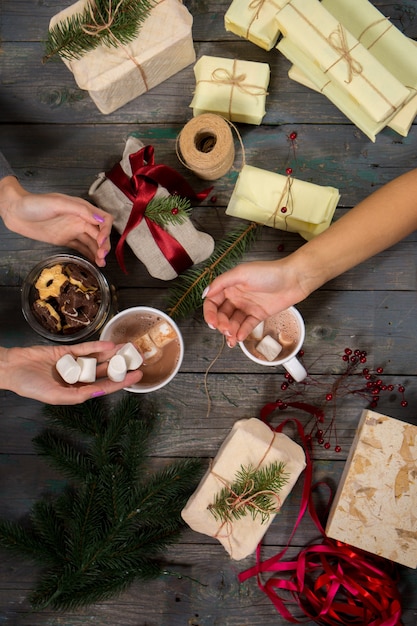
106,195
254,20
342,58
392,48
375,506
259,196
250,442
231,88
114,76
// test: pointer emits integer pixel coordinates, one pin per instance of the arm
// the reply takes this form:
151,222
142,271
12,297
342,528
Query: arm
54,218
237,300
31,373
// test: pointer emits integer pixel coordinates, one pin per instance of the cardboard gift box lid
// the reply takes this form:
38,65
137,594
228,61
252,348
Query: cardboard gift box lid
375,506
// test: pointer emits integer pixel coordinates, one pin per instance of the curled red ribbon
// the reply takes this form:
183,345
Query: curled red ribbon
140,188
332,583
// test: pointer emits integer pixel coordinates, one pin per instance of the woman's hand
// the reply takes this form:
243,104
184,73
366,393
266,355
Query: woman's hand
242,297
31,372
57,219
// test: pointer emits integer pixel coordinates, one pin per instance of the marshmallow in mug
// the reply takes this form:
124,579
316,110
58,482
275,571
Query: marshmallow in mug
83,369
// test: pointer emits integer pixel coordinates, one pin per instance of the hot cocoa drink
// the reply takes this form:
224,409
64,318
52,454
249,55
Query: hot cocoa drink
275,339
154,337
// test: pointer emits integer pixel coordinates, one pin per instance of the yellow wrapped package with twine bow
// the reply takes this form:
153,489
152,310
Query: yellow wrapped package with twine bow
232,88
250,443
254,20
115,75
282,202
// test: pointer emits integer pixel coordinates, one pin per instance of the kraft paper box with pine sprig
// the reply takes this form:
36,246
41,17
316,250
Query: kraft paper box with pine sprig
254,20
116,74
246,485
232,88
375,506
282,202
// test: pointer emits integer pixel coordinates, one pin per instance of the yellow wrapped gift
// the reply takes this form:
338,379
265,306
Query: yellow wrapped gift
231,88
250,443
254,20
282,202
116,75
344,60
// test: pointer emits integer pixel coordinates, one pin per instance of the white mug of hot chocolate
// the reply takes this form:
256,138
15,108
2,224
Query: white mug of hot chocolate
158,339
277,341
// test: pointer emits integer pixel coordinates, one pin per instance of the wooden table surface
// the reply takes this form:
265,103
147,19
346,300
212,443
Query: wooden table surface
57,140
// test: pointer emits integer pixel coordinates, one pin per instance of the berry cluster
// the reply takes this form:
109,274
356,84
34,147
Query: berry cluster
353,380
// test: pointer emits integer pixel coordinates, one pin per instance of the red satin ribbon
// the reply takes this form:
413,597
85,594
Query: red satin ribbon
332,583
140,188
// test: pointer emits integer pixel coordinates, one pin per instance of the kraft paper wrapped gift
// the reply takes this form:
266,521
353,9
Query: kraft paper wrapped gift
375,506
260,196
198,245
114,76
250,442
232,88
254,20
388,45
342,58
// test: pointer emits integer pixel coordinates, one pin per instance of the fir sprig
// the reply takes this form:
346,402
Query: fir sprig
168,210
113,522
185,294
108,22
254,491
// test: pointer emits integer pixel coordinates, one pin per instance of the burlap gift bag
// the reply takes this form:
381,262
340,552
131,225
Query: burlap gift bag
166,252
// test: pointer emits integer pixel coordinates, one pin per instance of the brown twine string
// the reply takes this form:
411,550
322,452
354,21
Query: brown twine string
205,146
347,57
258,5
338,41
375,23
207,373
237,499
286,192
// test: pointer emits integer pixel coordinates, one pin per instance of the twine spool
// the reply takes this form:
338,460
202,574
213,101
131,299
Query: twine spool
206,147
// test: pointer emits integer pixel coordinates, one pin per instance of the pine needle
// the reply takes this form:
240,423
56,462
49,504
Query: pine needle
185,296
114,521
108,22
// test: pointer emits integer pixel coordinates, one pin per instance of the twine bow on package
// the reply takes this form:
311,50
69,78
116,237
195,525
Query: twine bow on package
238,498
116,74
126,192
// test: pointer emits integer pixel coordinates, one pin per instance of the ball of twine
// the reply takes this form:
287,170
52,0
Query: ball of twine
205,146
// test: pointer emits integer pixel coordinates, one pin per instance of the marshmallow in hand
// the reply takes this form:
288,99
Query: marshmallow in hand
269,348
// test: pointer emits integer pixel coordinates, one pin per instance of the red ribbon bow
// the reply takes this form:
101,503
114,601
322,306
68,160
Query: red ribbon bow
332,583
140,188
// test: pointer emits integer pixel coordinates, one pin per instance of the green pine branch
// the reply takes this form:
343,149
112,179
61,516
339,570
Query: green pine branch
253,491
185,294
168,210
113,522
108,22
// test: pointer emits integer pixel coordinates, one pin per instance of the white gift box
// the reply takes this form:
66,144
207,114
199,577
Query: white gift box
250,442
114,76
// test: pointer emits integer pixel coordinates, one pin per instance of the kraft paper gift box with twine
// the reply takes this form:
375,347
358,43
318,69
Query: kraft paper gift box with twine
186,245
282,202
396,52
232,88
375,506
115,75
250,443
342,58
254,20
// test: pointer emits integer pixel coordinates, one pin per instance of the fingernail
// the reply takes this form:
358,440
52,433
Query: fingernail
228,344
227,333
211,326
98,218
97,394
205,292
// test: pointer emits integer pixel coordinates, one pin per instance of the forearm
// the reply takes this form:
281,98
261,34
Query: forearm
376,223
4,370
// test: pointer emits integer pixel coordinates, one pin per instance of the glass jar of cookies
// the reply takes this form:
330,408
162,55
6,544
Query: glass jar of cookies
66,299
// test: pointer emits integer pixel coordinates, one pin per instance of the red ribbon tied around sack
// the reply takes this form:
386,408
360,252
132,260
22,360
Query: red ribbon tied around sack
140,188
332,583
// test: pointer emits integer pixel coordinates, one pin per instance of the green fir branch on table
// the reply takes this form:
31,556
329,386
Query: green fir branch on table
185,294
113,522
254,490
108,22
168,210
